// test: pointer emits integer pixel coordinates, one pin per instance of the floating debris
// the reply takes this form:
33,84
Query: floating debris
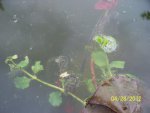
117,86
15,19
64,75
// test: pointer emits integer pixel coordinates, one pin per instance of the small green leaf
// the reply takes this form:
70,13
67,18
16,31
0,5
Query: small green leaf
14,57
117,64
37,67
105,42
55,99
10,58
100,58
23,63
22,82
98,39
90,86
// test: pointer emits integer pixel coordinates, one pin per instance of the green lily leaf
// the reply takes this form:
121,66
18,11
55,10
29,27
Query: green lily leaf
23,63
22,82
37,67
117,64
99,58
55,99
90,86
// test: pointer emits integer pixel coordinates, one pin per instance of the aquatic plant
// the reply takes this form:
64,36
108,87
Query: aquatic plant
146,15
113,85
23,82
68,81
106,44
1,6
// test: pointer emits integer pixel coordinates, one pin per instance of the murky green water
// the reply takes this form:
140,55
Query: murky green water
45,29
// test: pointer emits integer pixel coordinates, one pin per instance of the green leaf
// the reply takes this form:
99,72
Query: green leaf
14,57
10,58
105,42
99,58
117,64
101,40
22,82
37,67
23,63
98,39
90,86
55,99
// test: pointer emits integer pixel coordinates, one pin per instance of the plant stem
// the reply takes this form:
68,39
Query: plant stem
109,71
50,85
41,81
93,77
108,68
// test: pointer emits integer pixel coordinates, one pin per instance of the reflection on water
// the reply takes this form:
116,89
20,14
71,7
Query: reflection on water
46,29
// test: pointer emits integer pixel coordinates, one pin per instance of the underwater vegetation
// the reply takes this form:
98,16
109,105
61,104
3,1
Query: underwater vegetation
109,91
146,15
1,6
110,94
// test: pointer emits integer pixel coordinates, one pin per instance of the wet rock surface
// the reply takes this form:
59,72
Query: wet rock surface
118,86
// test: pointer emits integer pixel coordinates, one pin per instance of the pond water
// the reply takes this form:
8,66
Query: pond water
46,29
